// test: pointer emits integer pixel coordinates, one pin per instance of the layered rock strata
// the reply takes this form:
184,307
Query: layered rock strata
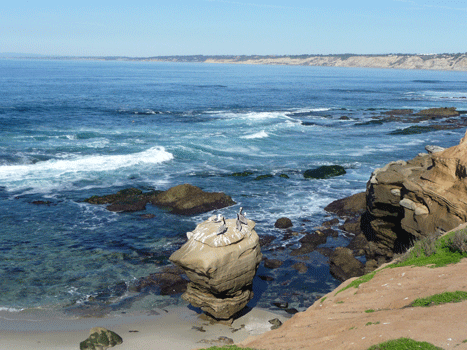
220,266
414,199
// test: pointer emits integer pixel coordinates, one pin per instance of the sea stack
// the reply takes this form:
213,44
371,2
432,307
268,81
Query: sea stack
220,267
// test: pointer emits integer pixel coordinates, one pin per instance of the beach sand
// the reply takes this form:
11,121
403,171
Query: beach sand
171,329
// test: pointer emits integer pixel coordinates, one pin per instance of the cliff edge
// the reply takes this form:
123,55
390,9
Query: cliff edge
378,307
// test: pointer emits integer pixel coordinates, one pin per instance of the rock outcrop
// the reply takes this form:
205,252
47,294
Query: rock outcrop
100,339
410,200
183,199
220,266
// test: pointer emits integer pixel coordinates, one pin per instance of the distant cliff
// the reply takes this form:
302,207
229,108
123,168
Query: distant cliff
457,62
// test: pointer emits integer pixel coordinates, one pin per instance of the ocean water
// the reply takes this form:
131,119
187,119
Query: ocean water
73,129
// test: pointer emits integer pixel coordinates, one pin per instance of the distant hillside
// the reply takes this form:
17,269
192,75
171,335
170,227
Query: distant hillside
456,62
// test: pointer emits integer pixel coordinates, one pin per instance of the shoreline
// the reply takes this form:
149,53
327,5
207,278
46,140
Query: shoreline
435,62
178,328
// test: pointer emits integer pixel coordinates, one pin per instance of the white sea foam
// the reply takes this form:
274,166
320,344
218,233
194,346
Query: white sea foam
31,175
10,309
259,135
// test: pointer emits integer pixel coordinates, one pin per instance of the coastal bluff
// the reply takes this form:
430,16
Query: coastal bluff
410,200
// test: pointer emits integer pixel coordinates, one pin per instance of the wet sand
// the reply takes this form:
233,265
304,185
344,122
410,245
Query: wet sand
173,328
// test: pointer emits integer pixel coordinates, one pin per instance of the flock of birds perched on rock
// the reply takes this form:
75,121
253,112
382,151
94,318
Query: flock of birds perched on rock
241,220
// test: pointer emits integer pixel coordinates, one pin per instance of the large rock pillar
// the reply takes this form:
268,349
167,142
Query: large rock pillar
220,266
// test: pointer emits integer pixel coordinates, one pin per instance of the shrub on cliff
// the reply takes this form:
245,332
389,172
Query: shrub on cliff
404,344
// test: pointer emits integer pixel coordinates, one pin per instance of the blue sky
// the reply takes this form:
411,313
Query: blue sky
232,27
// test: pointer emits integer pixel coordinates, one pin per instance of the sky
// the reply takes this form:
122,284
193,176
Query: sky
232,27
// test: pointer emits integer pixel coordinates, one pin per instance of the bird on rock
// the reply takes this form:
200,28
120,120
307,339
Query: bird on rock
238,224
242,217
222,228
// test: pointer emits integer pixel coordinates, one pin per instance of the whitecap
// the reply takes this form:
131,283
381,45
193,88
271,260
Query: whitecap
54,169
259,135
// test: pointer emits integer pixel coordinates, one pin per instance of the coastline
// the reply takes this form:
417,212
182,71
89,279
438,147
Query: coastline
175,328
440,62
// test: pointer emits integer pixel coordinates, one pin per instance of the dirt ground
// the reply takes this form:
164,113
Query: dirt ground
345,320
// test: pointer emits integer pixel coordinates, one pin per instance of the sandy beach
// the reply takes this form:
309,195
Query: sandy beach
173,328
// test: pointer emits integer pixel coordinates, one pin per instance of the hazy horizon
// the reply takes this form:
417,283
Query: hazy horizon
224,27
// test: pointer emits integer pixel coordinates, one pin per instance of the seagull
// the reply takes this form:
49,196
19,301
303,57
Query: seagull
238,224
242,217
222,228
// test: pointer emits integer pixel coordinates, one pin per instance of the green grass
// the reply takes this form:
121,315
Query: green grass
340,302
369,311
322,300
371,323
442,298
227,347
404,344
358,281
442,254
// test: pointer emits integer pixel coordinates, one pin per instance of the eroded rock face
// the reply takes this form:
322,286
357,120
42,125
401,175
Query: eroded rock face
413,199
220,267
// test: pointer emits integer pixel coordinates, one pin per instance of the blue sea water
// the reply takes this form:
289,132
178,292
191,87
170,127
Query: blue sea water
73,129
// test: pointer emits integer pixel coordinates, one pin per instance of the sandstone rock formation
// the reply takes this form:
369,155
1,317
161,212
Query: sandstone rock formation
220,267
410,200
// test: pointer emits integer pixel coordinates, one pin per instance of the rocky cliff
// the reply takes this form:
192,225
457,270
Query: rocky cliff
408,200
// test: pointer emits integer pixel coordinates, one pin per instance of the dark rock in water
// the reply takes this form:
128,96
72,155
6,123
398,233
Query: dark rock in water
352,225
343,265
325,251
147,216
330,223
41,202
100,339
112,198
284,176
414,129
265,240
281,305
267,278
359,245
272,263
310,242
300,267
349,206
190,200
439,112
242,174
291,311
169,281
182,199
371,122
262,177
127,200
283,223
276,323
324,172
344,117
399,112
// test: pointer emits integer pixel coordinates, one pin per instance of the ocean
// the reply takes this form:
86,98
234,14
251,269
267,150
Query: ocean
70,129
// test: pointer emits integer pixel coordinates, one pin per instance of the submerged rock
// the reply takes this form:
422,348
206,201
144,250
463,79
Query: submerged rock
220,267
324,172
283,223
190,200
182,199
